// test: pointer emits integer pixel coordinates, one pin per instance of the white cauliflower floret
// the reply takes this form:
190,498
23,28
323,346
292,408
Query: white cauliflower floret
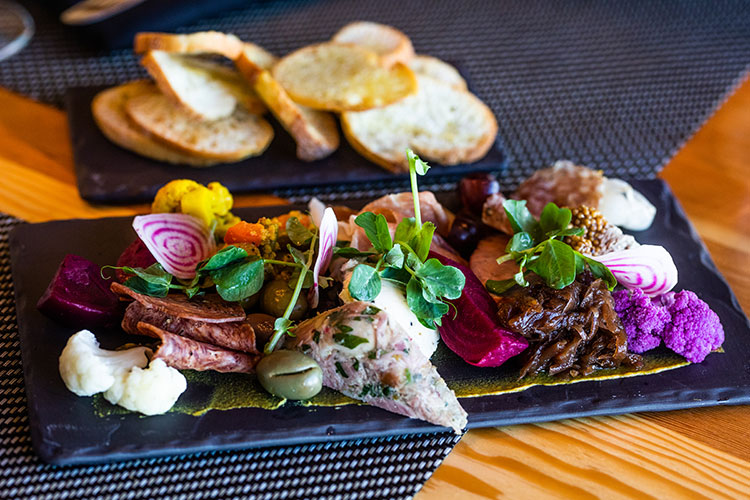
151,391
87,369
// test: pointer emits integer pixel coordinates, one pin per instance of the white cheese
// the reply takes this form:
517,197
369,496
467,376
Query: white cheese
392,300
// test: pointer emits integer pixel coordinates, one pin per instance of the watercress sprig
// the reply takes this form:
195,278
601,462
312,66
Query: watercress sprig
402,259
537,246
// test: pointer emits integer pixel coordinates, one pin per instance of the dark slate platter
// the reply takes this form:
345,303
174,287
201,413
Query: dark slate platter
107,173
65,429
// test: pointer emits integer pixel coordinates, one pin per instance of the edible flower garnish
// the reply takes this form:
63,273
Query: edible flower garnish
328,231
402,259
177,241
537,246
648,267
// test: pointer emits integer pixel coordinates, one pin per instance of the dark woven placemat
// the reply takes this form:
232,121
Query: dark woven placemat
617,85
387,468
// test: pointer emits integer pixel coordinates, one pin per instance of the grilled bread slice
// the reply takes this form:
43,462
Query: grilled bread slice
439,123
437,69
230,139
337,77
202,42
206,89
315,132
108,108
387,42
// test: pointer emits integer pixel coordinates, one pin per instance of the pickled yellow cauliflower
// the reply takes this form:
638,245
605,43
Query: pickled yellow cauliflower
87,369
210,203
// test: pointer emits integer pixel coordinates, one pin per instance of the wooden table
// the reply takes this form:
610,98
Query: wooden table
702,453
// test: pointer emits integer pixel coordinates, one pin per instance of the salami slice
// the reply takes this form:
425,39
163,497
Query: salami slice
187,354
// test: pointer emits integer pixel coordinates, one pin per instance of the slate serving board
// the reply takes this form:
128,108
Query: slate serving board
65,429
107,173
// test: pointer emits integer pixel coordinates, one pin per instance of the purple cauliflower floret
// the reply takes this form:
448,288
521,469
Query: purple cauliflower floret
643,320
694,330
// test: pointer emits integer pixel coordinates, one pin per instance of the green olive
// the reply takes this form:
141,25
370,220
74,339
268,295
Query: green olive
276,296
290,375
250,302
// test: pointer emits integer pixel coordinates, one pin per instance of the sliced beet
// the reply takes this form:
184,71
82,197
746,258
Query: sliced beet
474,332
135,255
78,296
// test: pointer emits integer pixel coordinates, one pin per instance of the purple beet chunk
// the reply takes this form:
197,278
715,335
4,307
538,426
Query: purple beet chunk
78,296
473,332
136,255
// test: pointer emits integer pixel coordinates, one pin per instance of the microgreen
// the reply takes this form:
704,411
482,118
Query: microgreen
537,246
402,259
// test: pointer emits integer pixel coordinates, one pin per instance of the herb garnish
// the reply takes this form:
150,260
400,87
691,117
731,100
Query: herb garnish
402,259
537,246
348,340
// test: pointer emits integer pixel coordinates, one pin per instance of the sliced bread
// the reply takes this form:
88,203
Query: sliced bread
337,77
206,89
315,132
229,139
108,108
202,42
439,123
437,69
390,44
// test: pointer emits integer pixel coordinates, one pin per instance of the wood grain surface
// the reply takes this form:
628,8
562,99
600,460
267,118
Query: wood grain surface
701,453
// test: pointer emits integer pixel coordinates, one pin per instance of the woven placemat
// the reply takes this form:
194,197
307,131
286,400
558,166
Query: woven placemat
387,468
617,85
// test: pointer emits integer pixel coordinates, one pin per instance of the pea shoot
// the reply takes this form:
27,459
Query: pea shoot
402,259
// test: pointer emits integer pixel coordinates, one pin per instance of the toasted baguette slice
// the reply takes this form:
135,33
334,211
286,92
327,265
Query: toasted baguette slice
206,89
437,69
229,139
108,108
439,123
342,78
390,44
202,42
315,132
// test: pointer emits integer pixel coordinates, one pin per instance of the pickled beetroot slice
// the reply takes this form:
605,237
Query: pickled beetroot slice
78,296
135,255
473,332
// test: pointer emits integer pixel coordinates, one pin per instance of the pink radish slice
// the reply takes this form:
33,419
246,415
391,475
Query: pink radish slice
648,267
177,241
327,234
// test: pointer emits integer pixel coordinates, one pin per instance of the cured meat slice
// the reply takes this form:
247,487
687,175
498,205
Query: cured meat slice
368,357
565,184
208,308
237,335
186,354
483,261
401,206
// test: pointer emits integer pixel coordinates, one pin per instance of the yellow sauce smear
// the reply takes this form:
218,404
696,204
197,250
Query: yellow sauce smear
226,391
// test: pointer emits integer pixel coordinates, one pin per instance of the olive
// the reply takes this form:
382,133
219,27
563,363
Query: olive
290,375
250,302
474,189
465,234
276,296
262,326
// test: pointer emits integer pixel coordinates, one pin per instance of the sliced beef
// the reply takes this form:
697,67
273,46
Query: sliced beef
186,354
206,308
368,357
237,335
571,332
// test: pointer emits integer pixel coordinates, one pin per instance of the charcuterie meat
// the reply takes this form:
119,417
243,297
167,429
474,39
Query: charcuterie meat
187,354
176,314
